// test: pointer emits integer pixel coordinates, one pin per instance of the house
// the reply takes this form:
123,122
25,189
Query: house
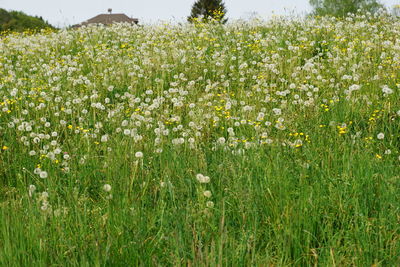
107,19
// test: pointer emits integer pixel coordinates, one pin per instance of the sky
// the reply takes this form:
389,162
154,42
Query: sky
62,13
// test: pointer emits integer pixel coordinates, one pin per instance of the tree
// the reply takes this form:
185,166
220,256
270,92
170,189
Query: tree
19,21
214,9
340,8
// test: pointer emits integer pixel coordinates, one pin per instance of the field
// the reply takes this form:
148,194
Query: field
258,143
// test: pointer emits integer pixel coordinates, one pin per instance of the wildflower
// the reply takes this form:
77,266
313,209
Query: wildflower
354,87
107,188
43,174
207,193
221,140
139,154
210,204
45,206
104,138
280,126
202,179
380,136
386,90
31,189
277,111
269,141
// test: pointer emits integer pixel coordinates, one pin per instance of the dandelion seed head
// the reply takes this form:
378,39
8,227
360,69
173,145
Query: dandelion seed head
107,188
210,204
202,178
207,193
43,174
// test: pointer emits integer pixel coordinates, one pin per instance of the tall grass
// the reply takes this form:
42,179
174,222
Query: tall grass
249,144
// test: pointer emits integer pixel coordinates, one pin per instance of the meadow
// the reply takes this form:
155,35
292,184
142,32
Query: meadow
258,143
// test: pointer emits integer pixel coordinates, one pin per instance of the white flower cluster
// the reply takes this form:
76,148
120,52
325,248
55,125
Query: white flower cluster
96,94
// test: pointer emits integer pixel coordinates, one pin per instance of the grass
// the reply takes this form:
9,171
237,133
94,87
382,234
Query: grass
105,130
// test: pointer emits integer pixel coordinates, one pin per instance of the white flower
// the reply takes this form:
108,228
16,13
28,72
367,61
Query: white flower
280,126
277,111
31,189
387,90
104,138
202,179
221,140
380,136
139,154
210,204
354,87
107,188
207,193
43,174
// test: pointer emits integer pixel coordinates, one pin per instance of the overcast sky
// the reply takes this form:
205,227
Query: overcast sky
67,12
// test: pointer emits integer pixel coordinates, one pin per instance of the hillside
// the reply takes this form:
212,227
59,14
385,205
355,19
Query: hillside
19,21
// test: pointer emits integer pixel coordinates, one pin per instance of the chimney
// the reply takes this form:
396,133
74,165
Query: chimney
110,10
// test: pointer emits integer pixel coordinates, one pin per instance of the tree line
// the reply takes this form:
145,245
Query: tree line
215,9
19,21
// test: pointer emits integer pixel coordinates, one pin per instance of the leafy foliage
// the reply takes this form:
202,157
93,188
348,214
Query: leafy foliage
19,21
214,9
340,8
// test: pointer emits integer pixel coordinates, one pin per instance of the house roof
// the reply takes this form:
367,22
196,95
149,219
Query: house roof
109,19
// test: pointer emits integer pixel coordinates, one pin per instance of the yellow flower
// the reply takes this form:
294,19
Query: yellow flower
5,147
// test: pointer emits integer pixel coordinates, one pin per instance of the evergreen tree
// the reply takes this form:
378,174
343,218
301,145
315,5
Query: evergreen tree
340,8
214,9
